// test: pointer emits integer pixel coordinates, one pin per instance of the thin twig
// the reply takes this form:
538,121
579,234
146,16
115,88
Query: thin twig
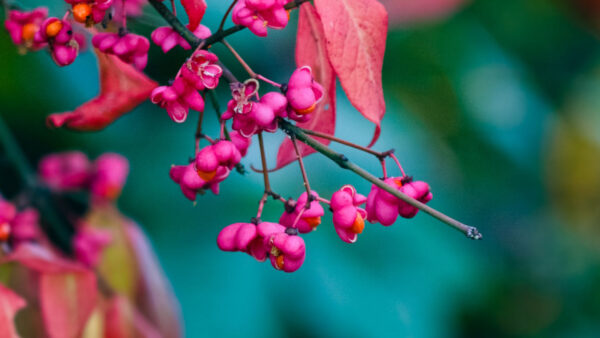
263,159
240,59
346,143
302,169
343,162
226,15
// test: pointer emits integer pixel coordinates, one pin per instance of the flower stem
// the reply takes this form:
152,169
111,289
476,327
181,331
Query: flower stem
346,143
343,162
302,169
215,103
263,159
240,59
226,15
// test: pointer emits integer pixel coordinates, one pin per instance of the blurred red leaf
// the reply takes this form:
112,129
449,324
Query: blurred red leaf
195,10
356,32
67,291
67,300
10,304
122,88
404,12
122,320
155,297
311,51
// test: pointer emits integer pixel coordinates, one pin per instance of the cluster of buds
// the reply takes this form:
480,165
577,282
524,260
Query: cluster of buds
252,114
211,166
34,30
167,38
257,15
65,173
281,241
199,72
89,12
130,48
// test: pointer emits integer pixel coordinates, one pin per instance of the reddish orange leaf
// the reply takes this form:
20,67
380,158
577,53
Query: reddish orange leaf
311,51
155,296
122,320
122,88
67,300
10,304
195,10
356,31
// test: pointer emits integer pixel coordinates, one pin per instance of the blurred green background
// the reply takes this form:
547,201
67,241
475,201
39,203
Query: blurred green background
496,106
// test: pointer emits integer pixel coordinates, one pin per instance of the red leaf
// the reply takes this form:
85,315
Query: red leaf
356,31
413,11
155,297
311,51
10,304
122,88
195,10
67,291
67,300
122,320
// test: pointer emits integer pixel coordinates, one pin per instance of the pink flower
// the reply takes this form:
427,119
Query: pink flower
310,218
201,70
131,8
287,251
257,15
191,183
384,207
262,115
221,154
243,237
303,92
244,95
241,143
130,48
89,243
167,38
64,171
7,215
22,27
89,11
109,176
58,34
348,218
177,99
17,226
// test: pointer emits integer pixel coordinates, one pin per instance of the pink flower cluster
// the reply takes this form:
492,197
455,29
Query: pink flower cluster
167,38
211,166
89,243
257,15
302,217
252,114
17,227
58,35
105,177
23,26
199,72
286,250
130,48
384,207
89,11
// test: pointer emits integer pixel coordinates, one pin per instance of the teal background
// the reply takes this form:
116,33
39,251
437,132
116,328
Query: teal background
496,107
